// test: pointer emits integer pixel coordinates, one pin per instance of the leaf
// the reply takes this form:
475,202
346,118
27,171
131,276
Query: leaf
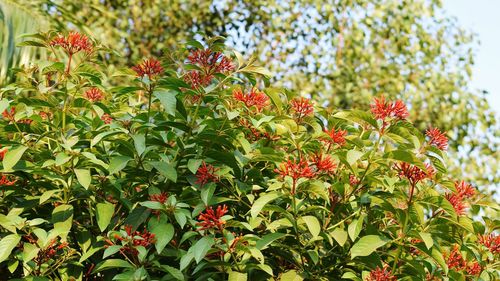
47,195
111,250
261,202
355,227
405,156
163,233
340,236
117,164
353,156
165,169
167,99
367,245
177,274
12,157
313,225
291,276
427,238
193,165
139,143
62,218
237,276
186,260
207,192
268,239
7,244
111,263
257,69
104,213
83,176
30,251
202,246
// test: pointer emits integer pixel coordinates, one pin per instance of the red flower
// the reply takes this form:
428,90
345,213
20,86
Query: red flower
437,138
205,174
45,115
491,241
73,43
253,98
107,118
353,180
382,109
197,80
133,239
212,219
94,94
149,67
211,62
381,274
9,114
336,137
455,259
474,268
161,197
295,170
3,151
413,173
324,163
4,180
457,198
302,106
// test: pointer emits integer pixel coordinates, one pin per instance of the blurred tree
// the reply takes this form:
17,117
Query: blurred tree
341,52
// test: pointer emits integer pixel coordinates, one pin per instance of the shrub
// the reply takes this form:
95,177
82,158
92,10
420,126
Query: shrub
196,168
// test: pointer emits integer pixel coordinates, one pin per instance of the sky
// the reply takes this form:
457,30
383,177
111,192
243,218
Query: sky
481,17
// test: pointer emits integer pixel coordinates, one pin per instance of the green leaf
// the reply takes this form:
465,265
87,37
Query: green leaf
30,251
139,143
268,239
47,195
12,157
427,238
117,164
104,213
163,233
193,165
201,247
186,260
177,274
207,192
167,99
237,276
405,156
313,225
291,276
257,69
111,250
83,176
7,244
353,156
355,227
62,218
367,245
111,263
339,235
166,169
261,202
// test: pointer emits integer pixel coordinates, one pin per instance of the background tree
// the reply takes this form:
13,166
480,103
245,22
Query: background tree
340,52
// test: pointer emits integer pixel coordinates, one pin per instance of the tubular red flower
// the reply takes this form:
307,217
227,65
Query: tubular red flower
464,189
212,219
381,274
9,114
197,80
211,62
455,259
437,138
491,241
73,43
382,109
302,106
335,137
324,163
474,268
457,198
206,174
149,67
353,180
161,197
413,173
94,94
295,169
107,118
3,151
4,181
253,98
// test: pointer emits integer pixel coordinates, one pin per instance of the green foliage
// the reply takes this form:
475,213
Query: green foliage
196,168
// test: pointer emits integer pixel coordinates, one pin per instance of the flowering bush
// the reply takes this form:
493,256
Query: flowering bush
195,168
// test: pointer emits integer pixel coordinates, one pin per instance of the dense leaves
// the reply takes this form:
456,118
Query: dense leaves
196,168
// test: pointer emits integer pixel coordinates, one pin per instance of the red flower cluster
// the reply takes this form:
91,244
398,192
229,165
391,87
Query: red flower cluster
73,43
94,94
106,118
437,138
253,98
4,180
474,268
9,114
455,259
324,163
49,252
381,274
295,169
211,62
212,219
161,197
457,198
353,180
205,174
197,80
133,239
302,107
3,151
148,67
254,133
336,137
491,241
382,109
413,173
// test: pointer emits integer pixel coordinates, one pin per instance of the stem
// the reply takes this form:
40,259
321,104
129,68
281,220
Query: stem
296,228
70,56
